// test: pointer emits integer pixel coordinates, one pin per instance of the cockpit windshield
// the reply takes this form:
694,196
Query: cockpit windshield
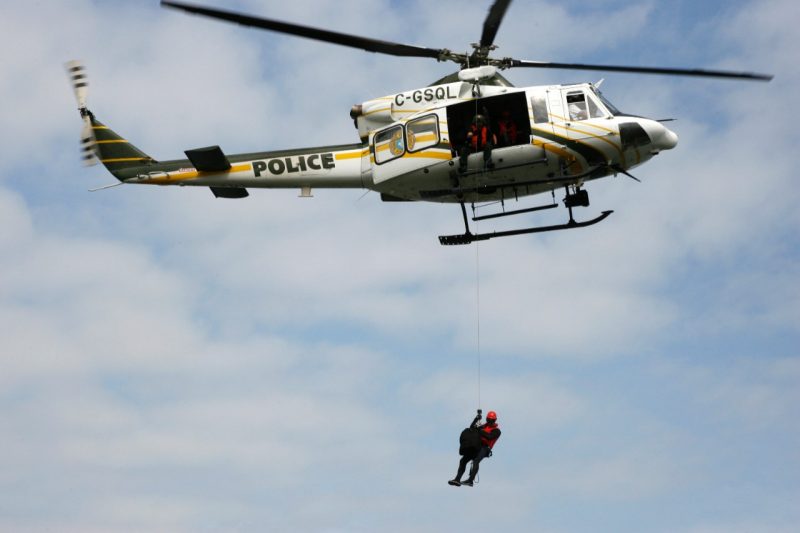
611,108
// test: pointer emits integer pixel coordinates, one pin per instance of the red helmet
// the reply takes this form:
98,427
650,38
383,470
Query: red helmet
491,416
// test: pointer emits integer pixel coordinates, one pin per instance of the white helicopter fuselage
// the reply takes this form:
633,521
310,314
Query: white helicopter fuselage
412,144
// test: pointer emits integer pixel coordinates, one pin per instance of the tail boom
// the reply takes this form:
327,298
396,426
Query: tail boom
323,167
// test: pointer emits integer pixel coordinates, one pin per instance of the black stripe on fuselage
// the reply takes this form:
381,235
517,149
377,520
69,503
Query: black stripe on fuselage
593,156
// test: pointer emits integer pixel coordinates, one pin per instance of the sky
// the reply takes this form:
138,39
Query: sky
175,362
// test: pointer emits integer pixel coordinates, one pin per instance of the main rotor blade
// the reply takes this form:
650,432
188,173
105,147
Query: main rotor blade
493,20
641,70
353,41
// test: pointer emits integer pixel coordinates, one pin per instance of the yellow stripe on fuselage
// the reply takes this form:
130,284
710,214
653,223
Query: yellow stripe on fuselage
427,154
585,123
430,154
380,110
191,174
591,135
351,155
124,159
565,154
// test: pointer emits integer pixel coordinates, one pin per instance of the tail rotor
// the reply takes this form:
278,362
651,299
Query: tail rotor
80,84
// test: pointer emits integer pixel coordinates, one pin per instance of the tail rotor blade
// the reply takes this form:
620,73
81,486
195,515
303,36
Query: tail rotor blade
88,143
80,83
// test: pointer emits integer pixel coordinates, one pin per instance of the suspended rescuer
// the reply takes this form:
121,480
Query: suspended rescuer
477,442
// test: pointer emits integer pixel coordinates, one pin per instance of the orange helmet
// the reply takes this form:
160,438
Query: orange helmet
491,416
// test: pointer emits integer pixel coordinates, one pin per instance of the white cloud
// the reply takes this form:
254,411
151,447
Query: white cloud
171,361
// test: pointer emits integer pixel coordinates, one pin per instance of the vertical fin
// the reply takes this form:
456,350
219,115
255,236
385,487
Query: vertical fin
114,151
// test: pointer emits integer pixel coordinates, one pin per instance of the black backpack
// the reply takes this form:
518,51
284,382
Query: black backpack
470,441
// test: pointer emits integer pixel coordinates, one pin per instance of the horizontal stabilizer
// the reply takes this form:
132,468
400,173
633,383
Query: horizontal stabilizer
389,198
209,159
229,192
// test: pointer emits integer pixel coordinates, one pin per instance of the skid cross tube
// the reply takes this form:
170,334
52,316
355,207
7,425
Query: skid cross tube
517,212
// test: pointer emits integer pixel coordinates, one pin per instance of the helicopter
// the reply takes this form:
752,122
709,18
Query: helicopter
437,143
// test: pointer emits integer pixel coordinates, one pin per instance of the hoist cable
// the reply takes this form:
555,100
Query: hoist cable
478,311
478,298
478,288
478,320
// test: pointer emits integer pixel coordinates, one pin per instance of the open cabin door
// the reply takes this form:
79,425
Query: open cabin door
506,115
542,119
404,148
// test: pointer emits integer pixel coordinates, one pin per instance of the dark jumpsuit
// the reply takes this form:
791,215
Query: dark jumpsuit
488,438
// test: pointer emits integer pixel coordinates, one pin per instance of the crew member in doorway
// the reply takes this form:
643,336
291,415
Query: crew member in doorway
479,139
489,433
506,130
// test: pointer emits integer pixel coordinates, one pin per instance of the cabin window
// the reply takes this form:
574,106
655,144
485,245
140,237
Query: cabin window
539,104
389,144
576,106
422,133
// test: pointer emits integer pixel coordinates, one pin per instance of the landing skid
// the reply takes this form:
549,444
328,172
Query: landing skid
468,237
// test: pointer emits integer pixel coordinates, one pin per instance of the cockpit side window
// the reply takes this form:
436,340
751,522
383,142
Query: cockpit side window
576,106
594,110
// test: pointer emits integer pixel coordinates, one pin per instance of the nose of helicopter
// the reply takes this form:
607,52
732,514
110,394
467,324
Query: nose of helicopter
662,137
668,140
